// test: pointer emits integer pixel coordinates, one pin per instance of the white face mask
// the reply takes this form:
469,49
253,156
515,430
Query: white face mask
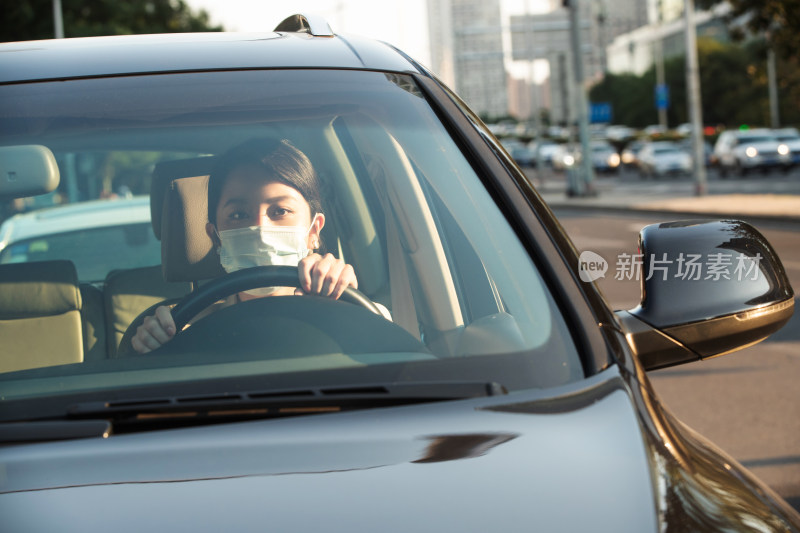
263,246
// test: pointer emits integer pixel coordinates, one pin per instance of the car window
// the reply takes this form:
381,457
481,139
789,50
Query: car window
402,204
665,150
756,139
94,251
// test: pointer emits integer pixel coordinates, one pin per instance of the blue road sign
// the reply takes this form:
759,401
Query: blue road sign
662,96
600,113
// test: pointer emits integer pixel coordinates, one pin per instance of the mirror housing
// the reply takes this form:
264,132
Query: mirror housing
27,170
708,288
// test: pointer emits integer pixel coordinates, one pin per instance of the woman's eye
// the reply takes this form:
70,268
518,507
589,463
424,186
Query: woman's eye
278,212
238,215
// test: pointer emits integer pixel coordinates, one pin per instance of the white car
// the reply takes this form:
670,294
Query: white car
620,133
745,150
98,236
564,157
605,158
546,150
791,138
664,158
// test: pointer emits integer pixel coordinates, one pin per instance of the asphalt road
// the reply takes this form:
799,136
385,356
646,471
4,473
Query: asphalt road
774,182
747,402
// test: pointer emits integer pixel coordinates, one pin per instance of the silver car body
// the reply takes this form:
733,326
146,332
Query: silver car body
744,150
593,451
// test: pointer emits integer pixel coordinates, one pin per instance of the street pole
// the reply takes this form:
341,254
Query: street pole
537,120
661,80
774,115
58,19
587,171
695,105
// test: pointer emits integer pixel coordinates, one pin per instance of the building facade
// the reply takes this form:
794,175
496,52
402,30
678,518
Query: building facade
547,36
466,40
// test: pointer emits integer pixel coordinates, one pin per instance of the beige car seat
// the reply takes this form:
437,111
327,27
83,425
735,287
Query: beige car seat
40,315
128,293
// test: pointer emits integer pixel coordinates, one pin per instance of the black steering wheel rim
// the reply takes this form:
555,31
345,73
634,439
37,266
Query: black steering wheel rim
250,278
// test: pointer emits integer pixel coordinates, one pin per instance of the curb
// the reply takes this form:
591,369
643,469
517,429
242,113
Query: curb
760,218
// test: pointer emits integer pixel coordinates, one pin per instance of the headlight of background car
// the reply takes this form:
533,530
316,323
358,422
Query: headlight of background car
613,160
783,149
751,151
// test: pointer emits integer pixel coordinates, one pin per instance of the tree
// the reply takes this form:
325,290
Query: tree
630,96
780,19
33,19
733,83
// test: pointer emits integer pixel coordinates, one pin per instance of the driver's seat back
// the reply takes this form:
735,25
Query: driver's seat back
187,252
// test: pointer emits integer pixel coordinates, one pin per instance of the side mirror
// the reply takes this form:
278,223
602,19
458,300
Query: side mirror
708,288
27,170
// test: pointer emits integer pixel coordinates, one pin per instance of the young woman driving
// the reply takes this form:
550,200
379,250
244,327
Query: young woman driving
264,208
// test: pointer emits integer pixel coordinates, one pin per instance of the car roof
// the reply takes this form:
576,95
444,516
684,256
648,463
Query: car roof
72,217
756,132
188,52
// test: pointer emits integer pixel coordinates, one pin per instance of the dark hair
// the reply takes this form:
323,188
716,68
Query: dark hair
284,162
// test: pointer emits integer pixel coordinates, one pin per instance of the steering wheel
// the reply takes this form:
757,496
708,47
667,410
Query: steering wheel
219,288
250,278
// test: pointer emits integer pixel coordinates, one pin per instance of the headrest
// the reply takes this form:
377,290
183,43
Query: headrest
187,253
163,174
37,289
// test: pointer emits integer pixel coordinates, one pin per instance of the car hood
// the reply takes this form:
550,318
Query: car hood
507,463
673,157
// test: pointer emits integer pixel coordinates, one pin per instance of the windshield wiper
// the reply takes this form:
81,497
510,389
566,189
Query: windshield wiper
343,397
139,414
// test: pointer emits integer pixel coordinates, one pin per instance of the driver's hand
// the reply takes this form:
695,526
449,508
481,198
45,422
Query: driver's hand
325,275
154,331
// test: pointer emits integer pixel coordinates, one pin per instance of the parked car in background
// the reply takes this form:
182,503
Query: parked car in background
629,157
654,131
708,150
564,157
740,151
605,158
521,153
664,158
98,236
791,138
684,130
545,151
618,133
499,392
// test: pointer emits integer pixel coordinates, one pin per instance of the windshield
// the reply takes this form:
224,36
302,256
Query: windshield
755,139
458,296
666,150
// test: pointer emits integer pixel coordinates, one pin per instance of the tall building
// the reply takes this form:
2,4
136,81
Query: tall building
547,36
466,43
524,98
